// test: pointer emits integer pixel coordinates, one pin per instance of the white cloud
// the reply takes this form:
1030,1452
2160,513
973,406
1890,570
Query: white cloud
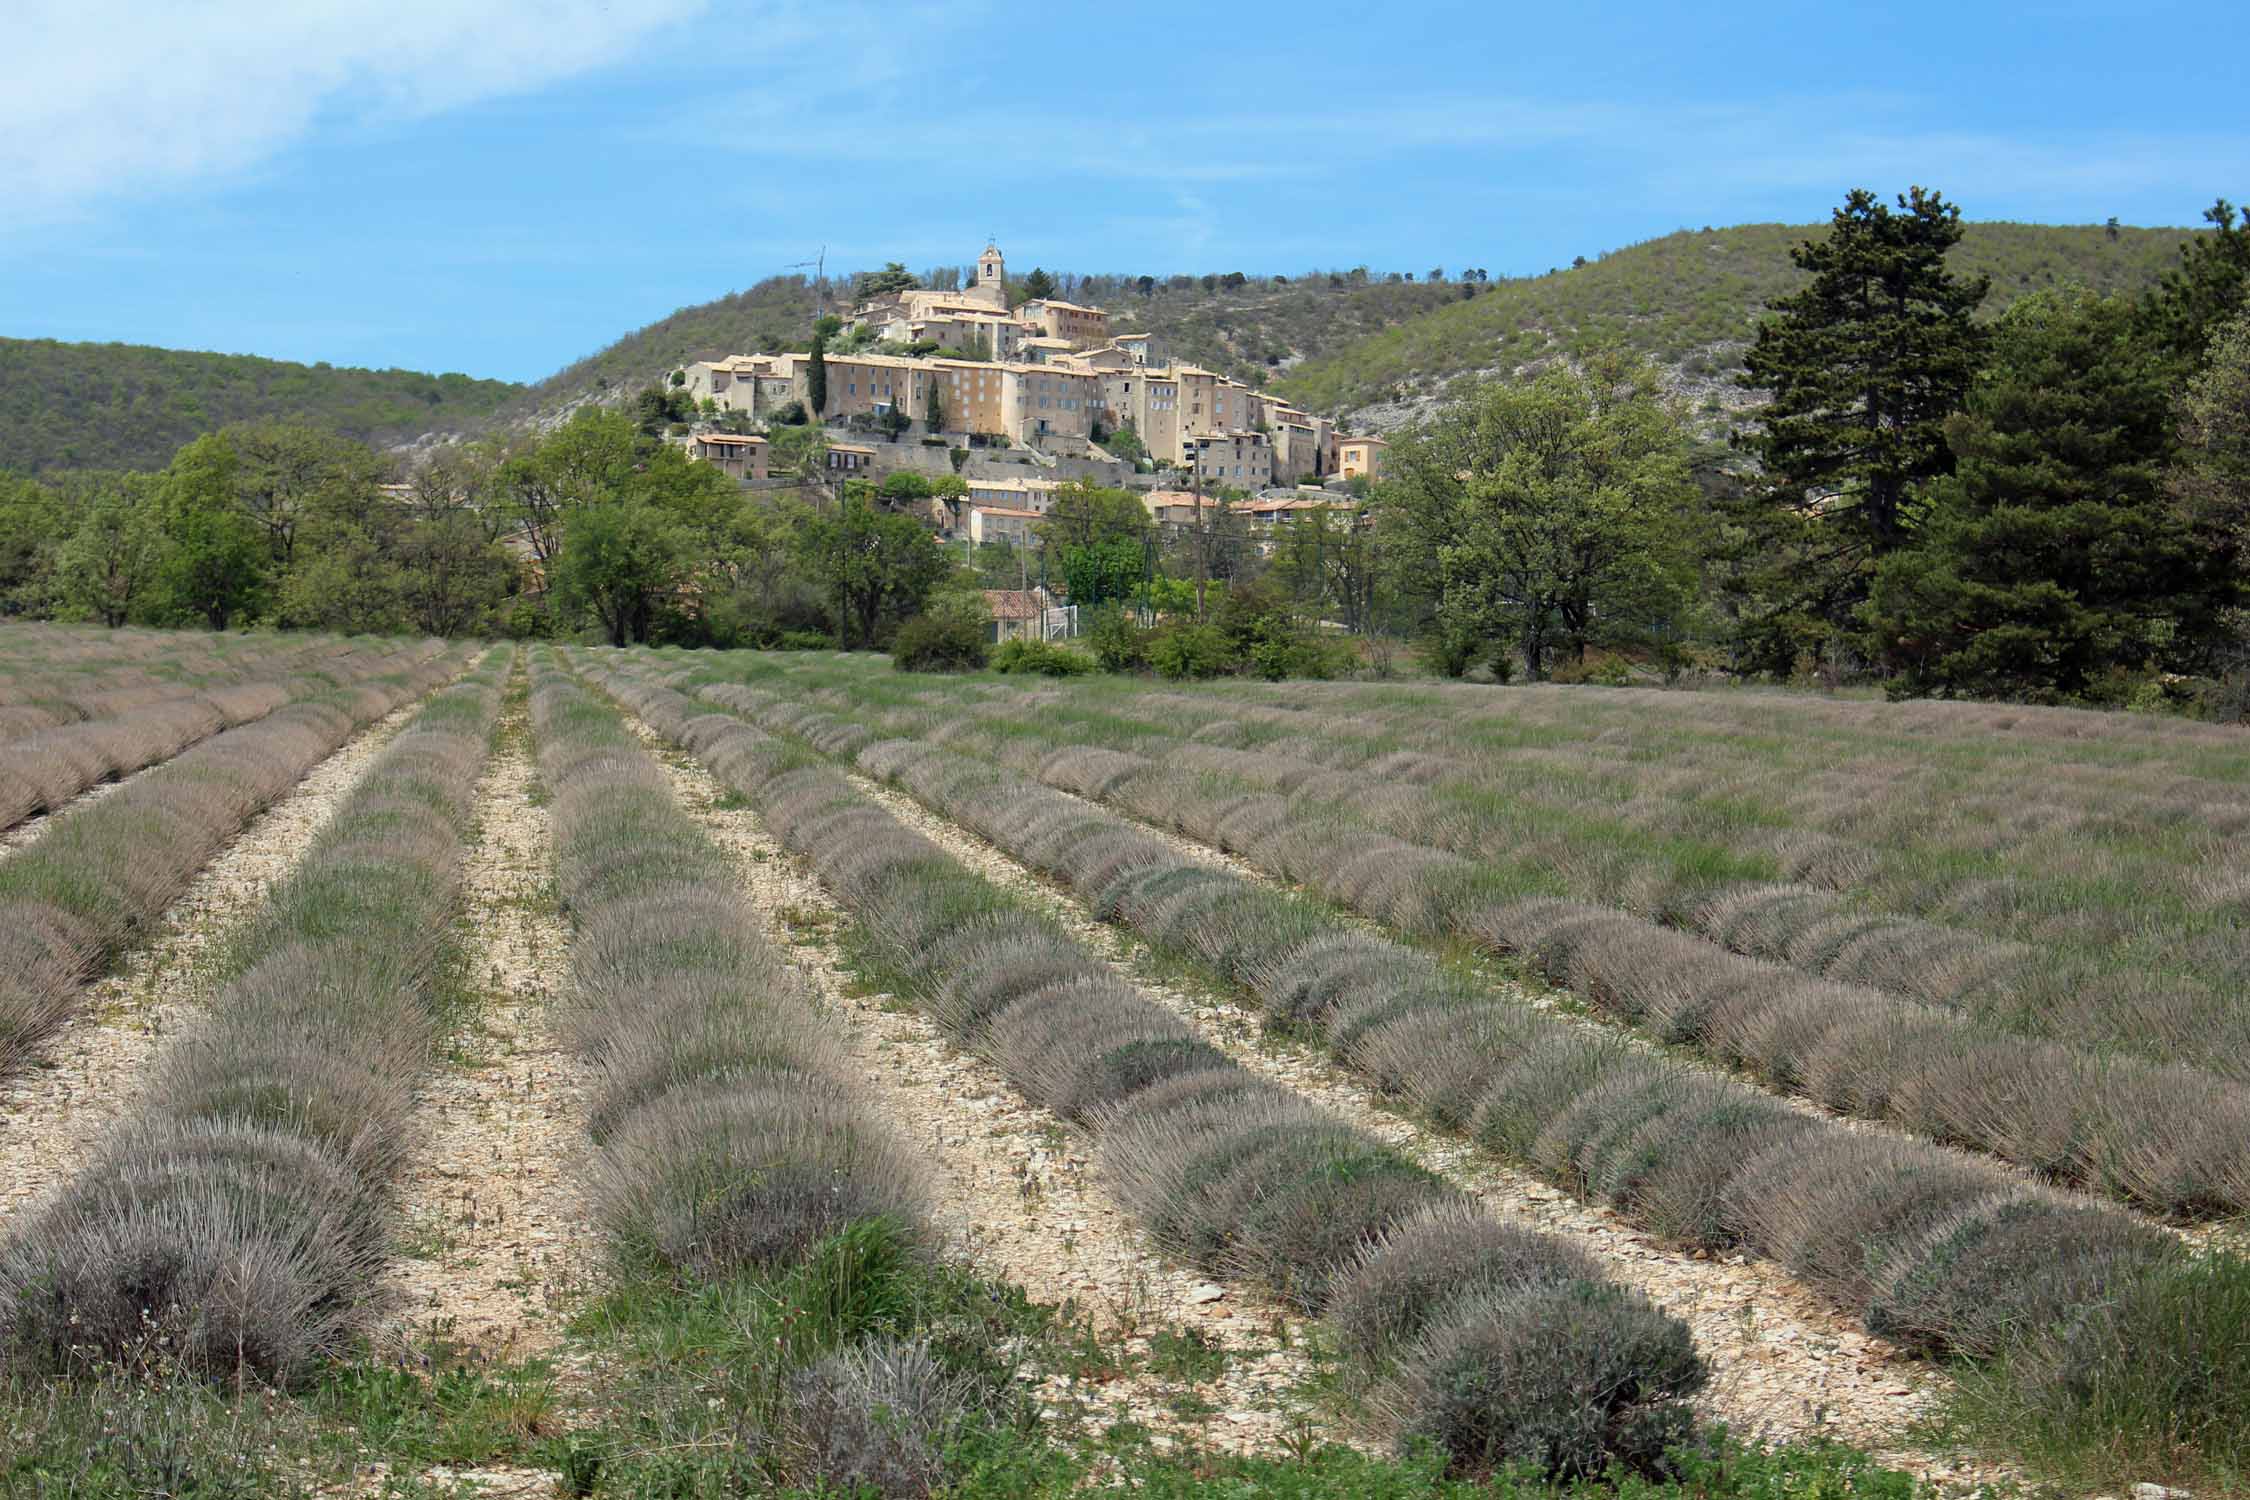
97,102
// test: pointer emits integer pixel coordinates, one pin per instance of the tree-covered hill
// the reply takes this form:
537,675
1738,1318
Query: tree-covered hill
1690,301
1248,327
1262,326
775,314
128,406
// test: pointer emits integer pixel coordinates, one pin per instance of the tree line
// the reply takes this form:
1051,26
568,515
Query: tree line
2048,507
598,528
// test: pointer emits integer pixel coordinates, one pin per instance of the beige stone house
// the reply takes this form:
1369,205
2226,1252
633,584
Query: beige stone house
1360,455
1034,495
739,456
757,384
1178,507
870,385
1243,459
1001,523
1020,614
1080,327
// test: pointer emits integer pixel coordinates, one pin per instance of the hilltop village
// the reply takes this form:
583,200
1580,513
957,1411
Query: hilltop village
1017,401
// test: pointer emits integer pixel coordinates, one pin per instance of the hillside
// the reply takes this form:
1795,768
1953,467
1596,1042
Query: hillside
1266,325
128,406
1689,300
777,313
1361,344
1251,330
1347,343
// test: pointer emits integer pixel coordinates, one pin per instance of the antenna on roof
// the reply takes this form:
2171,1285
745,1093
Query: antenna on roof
819,267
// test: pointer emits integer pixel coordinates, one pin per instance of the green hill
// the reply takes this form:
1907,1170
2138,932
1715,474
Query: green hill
1339,342
1689,300
1250,329
127,406
775,314
1265,325
1346,341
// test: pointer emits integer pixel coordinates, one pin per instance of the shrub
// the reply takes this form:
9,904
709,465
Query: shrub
878,1417
707,1038
930,643
2153,1378
1840,1212
1566,1379
705,1186
1042,658
1119,642
1179,651
1399,1287
1450,652
232,1251
2008,1271
1597,671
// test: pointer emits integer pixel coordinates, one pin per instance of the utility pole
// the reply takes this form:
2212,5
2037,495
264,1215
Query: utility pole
1202,530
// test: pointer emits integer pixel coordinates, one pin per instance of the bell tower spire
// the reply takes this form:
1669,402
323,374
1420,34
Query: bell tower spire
992,276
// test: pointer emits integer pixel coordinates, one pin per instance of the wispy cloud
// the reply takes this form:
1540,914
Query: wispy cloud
96,102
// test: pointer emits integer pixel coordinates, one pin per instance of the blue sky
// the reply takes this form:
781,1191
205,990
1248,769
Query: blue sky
500,186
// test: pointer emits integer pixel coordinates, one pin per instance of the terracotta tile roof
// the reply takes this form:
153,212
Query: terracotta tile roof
1013,604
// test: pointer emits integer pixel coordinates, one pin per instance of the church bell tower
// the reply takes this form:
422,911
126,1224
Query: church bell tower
992,278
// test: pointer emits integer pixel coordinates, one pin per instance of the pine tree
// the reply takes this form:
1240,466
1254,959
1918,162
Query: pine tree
816,375
1864,365
1037,285
2211,285
933,416
2053,555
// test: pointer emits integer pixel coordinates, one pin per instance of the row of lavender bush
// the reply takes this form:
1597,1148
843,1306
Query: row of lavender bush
735,1160
98,878
43,771
2166,1138
1501,1345
1944,1253
236,1224
53,676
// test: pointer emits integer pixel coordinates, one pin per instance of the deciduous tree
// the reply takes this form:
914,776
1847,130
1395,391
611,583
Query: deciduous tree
1103,572
1085,513
619,558
217,564
869,565
1551,515
106,566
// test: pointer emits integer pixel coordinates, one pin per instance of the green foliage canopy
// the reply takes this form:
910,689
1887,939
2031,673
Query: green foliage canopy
1550,515
2053,553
